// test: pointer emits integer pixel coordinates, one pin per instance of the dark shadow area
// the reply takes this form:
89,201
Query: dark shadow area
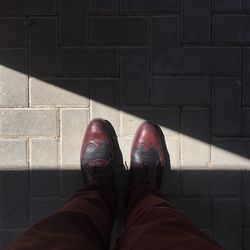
213,200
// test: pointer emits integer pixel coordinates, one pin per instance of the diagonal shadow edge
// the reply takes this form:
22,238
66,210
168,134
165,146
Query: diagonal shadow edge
142,111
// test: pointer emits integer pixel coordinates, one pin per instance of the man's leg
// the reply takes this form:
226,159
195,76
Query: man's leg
154,223
84,222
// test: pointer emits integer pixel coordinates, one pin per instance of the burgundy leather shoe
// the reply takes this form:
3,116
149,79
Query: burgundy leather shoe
97,152
148,155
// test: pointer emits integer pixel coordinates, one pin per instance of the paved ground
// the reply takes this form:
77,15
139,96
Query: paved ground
184,64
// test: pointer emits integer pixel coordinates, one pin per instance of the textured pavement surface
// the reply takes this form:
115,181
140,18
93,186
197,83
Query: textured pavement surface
184,64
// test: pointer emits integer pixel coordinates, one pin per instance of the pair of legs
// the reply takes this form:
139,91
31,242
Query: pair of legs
85,221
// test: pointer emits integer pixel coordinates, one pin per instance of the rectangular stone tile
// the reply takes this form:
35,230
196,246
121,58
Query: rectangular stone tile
14,194
227,228
13,73
246,77
226,106
7,236
231,153
246,122
238,31
135,81
165,45
59,92
180,91
211,60
195,138
120,31
73,125
196,21
41,208
13,154
149,7
226,5
247,5
209,183
171,185
13,32
73,18
198,210
44,167
125,146
167,118
28,7
92,62
173,150
105,101
71,181
246,239
246,198
28,122
43,46
100,7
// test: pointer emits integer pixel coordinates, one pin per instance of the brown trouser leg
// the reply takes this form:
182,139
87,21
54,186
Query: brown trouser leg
153,223
85,222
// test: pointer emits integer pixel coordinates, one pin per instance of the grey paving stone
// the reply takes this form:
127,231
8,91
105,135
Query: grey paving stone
71,181
167,118
105,101
198,210
246,239
43,46
73,18
226,106
13,154
28,122
149,7
231,153
180,91
165,45
246,77
7,236
14,32
173,147
246,198
134,81
227,223
44,167
13,70
211,183
195,138
99,7
246,122
196,21
211,60
14,194
59,92
171,185
43,207
247,5
73,125
231,29
118,31
226,5
28,7
92,62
